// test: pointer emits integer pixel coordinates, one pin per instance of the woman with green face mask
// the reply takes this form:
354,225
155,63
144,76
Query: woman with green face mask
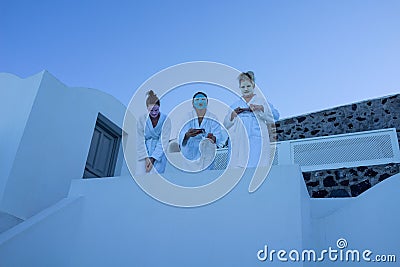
200,126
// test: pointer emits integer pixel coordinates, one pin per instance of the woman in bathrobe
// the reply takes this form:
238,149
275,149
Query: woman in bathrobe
190,137
154,131
253,112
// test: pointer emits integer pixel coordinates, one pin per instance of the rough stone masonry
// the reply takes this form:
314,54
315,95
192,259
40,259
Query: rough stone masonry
374,114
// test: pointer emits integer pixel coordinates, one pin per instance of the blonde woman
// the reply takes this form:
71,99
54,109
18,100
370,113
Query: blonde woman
154,131
253,112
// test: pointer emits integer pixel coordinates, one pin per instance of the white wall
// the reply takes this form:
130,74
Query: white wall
122,226
55,144
370,221
46,239
17,97
112,222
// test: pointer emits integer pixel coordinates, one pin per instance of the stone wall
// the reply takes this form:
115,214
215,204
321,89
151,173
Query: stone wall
346,182
367,115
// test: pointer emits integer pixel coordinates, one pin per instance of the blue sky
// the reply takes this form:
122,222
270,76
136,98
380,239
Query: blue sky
307,55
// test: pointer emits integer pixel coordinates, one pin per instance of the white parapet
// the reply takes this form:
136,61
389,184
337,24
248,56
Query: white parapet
342,150
329,152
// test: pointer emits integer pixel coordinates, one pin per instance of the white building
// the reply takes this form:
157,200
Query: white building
52,136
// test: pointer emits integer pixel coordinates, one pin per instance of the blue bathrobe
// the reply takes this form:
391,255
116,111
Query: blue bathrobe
209,124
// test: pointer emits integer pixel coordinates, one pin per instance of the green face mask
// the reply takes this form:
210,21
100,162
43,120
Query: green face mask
200,102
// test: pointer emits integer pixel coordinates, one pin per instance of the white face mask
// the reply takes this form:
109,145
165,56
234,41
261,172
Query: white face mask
246,87
154,110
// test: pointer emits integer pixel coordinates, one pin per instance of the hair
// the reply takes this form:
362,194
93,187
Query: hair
152,99
249,76
199,93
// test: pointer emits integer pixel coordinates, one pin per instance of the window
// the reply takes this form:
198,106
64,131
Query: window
104,148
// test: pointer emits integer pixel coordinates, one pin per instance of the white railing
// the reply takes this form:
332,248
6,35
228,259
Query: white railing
332,152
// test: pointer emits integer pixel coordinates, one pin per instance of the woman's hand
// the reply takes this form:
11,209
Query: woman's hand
191,133
212,138
236,112
149,164
257,107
